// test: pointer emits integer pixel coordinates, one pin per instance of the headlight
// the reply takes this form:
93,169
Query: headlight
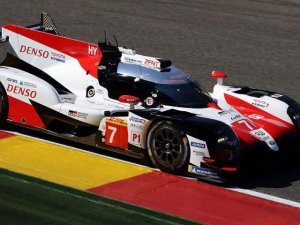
227,148
294,113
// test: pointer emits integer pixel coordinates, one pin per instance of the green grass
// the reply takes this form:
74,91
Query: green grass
26,200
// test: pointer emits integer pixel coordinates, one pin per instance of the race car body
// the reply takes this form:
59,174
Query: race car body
113,98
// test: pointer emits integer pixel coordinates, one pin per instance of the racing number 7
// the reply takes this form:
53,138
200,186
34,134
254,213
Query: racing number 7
246,124
112,135
116,135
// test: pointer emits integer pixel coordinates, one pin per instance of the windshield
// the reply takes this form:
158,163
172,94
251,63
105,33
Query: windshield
170,86
183,95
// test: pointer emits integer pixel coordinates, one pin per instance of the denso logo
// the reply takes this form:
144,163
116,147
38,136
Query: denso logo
21,91
34,51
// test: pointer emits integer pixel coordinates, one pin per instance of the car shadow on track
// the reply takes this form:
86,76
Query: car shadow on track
280,178
279,175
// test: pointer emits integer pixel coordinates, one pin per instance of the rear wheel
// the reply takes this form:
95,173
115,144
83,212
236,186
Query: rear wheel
168,148
3,106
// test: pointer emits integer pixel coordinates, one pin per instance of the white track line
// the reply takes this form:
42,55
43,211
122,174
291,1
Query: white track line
236,189
266,196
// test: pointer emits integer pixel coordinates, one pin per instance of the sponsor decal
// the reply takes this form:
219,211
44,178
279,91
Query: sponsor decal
259,133
24,83
177,79
201,171
135,137
21,91
58,57
149,101
34,51
180,76
262,135
77,114
139,126
116,120
255,116
92,50
137,120
12,80
236,117
132,60
174,81
198,153
224,112
197,145
150,62
260,103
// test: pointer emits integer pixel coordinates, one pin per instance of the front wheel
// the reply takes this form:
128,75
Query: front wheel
168,148
3,106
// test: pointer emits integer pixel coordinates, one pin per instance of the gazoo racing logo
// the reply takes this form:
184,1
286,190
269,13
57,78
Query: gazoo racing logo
34,51
21,91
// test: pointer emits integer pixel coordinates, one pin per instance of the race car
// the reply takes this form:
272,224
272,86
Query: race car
112,98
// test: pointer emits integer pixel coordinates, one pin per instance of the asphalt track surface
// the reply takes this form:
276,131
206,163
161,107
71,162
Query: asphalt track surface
256,42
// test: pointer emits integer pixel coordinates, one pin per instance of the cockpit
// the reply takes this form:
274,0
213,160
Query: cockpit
154,81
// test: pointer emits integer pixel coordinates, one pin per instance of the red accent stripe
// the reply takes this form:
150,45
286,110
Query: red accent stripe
19,110
4,134
198,201
213,106
272,124
74,48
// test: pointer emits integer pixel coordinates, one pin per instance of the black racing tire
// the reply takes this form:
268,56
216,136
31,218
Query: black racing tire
168,148
3,106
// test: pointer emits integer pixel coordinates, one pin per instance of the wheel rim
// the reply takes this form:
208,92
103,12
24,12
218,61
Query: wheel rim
167,147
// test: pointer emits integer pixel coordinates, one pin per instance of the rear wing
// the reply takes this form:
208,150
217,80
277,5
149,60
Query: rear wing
46,25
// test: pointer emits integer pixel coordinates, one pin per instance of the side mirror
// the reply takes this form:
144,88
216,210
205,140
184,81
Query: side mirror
131,100
219,75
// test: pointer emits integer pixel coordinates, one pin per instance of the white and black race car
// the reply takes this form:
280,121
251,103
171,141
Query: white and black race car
113,98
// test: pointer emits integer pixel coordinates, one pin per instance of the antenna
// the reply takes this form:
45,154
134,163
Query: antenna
116,40
105,37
